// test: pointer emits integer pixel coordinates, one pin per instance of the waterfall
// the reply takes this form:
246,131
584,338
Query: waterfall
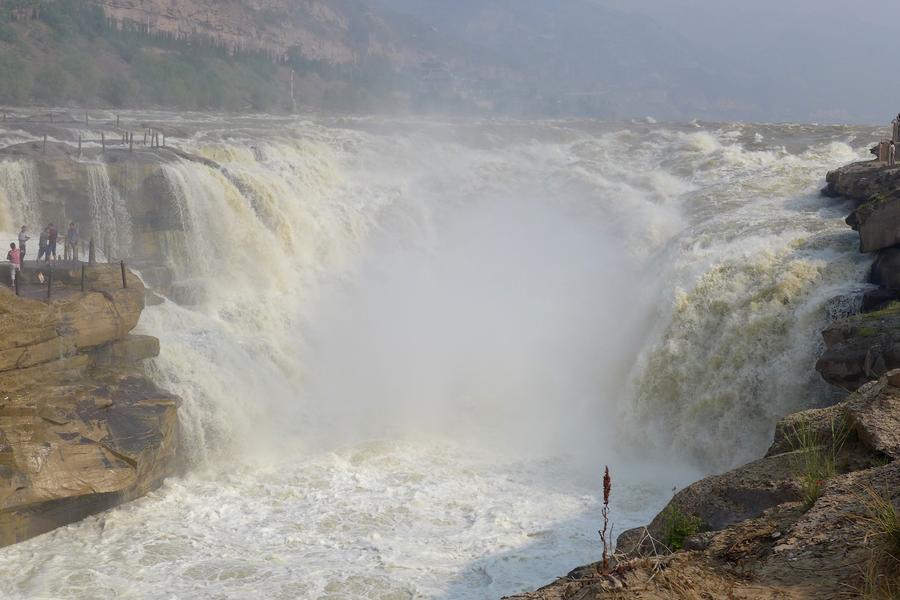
19,199
110,218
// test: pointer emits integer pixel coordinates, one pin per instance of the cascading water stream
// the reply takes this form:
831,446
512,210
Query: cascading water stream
19,197
406,349
111,221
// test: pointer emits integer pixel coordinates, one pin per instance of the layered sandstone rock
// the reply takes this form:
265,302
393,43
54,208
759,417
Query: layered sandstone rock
81,427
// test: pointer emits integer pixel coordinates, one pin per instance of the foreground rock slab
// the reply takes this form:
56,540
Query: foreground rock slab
82,428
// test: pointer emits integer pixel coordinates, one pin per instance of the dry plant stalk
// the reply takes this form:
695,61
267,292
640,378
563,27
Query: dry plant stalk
607,489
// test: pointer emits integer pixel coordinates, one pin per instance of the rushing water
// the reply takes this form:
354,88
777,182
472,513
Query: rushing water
407,348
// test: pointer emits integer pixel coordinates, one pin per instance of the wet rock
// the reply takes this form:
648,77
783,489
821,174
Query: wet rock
886,271
876,299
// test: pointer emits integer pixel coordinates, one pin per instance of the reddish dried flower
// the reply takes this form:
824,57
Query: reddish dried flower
607,486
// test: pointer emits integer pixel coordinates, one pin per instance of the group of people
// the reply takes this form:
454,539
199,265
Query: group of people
46,247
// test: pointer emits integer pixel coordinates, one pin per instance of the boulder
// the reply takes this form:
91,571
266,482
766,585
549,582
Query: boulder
878,298
821,422
861,349
886,271
874,415
878,221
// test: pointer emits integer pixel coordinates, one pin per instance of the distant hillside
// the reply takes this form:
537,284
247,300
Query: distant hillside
597,58
581,57
232,54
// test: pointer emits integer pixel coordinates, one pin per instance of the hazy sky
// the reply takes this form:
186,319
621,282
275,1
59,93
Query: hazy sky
775,60
834,56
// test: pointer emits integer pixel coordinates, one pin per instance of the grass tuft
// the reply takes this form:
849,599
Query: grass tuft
817,456
881,521
678,526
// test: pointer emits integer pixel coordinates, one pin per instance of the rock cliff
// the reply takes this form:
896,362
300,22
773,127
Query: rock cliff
82,428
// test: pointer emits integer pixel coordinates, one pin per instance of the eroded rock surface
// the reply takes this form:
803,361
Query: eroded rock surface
81,427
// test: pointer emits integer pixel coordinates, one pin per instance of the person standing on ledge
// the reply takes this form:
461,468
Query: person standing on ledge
42,244
15,263
52,235
23,238
892,154
72,242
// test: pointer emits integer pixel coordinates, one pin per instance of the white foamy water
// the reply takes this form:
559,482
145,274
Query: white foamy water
406,349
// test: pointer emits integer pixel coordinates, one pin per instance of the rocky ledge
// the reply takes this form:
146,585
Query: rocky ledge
819,515
868,345
82,428
759,531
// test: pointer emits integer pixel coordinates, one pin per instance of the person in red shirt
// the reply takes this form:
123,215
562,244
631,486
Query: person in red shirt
14,256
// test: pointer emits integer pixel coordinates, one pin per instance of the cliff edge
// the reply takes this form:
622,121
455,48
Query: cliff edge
82,428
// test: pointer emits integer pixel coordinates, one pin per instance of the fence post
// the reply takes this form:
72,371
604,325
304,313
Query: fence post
82,277
16,281
131,142
124,281
49,283
91,256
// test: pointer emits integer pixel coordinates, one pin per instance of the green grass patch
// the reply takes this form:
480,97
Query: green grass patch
678,526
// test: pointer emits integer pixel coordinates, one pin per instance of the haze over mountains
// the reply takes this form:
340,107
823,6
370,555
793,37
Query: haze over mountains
669,59
772,60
